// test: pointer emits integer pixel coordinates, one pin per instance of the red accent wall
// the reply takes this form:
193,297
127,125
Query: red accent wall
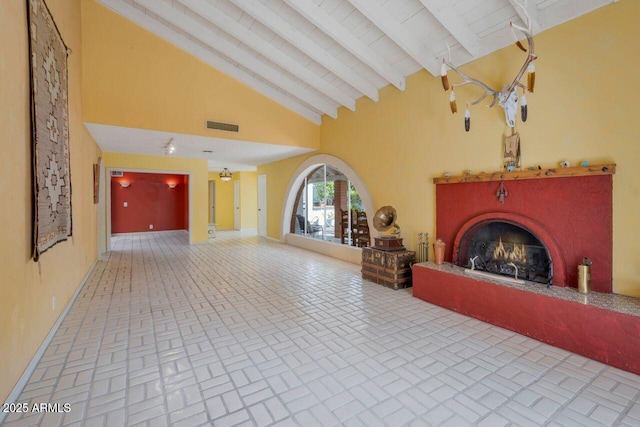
593,332
572,216
149,200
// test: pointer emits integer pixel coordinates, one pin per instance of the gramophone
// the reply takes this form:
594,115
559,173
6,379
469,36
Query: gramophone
385,222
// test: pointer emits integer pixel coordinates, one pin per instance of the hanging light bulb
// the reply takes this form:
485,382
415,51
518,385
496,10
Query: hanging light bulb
226,175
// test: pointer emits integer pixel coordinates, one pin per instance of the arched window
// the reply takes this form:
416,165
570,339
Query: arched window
328,207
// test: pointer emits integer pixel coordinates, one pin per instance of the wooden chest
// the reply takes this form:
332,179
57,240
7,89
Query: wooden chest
388,268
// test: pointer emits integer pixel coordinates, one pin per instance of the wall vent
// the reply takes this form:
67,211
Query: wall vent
229,127
117,173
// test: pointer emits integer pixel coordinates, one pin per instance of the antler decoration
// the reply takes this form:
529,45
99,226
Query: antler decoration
507,98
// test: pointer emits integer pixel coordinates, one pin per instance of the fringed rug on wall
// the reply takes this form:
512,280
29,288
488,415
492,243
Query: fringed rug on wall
50,130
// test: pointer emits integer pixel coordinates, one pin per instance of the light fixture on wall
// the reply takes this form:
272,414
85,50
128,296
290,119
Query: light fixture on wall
124,184
226,175
170,148
172,185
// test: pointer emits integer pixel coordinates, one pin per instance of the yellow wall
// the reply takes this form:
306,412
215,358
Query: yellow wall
128,69
585,107
199,182
223,202
28,288
278,176
248,200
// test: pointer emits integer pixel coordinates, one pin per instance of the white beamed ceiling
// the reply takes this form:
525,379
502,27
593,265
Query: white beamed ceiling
313,56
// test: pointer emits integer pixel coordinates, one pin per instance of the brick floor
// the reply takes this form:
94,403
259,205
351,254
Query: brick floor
246,331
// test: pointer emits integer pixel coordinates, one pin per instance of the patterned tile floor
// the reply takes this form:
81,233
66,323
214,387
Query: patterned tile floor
244,331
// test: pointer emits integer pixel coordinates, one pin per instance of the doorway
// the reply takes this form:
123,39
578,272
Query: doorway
262,205
212,202
112,172
236,205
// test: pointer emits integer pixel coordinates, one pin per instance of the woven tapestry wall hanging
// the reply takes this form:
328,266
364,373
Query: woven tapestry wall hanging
50,130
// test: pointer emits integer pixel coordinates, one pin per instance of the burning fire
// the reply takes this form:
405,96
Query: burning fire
517,254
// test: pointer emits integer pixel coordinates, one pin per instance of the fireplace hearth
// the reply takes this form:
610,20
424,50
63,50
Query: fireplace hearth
506,249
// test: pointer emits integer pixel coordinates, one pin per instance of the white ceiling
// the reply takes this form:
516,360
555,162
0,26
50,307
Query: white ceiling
313,56
226,153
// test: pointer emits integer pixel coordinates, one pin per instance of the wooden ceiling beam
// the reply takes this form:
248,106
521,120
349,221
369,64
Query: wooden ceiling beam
257,43
422,54
246,60
295,37
455,24
531,10
348,41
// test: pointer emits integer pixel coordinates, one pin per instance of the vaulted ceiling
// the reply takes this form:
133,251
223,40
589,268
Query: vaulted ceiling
314,56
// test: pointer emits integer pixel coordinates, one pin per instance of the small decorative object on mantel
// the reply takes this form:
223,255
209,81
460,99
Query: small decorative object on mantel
507,98
438,251
385,222
584,163
565,164
605,169
512,151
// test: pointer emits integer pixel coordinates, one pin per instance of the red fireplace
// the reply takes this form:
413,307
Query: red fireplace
551,222
566,218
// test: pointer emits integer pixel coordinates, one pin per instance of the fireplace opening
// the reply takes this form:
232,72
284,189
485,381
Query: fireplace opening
506,249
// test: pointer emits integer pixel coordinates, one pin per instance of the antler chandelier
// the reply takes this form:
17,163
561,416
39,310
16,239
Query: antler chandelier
507,98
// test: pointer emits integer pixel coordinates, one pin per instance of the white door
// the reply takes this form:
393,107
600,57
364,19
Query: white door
236,205
212,202
262,205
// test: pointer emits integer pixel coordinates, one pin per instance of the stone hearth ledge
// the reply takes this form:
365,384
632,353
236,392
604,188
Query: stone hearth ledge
602,327
618,303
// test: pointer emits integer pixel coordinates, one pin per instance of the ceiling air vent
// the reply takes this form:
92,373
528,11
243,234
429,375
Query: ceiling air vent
229,127
117,173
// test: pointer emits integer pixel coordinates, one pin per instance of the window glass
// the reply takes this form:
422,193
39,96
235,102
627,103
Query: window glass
328,207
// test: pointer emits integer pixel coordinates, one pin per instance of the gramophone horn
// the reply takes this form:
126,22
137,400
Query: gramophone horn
384,218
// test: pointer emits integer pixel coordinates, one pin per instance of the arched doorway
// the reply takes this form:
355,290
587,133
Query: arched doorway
298,202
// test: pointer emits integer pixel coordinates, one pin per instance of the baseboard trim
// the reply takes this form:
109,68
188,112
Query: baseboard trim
350,254
31,367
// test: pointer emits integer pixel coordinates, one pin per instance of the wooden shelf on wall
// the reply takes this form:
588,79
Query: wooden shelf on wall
608,169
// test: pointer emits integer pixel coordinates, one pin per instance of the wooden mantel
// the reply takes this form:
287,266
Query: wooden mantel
608,169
